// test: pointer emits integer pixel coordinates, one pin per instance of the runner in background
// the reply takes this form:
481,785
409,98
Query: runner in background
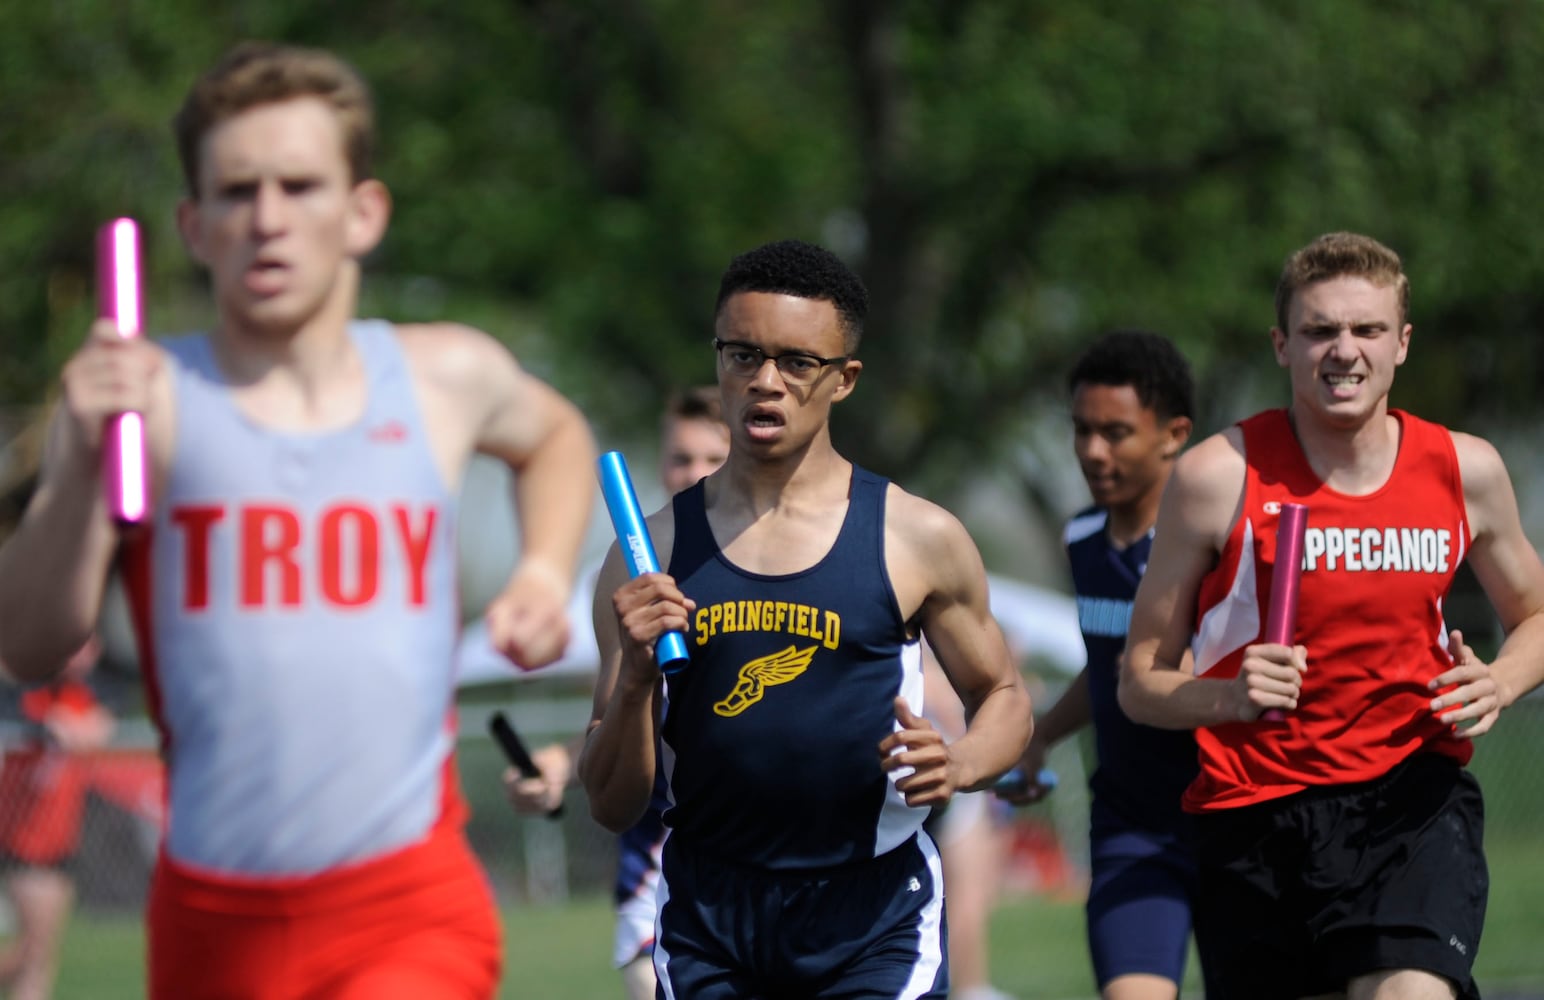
1133,407
43,788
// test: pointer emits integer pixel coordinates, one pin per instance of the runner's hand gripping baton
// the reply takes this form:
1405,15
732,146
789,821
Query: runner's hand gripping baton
1281,617
125,479
637,548
515,752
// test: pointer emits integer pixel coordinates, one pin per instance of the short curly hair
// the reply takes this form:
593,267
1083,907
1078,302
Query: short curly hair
793,267
1146,361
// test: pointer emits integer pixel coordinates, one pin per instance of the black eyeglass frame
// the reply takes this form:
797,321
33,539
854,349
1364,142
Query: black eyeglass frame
795,378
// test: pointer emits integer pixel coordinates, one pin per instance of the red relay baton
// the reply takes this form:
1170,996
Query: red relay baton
125,478
1286,575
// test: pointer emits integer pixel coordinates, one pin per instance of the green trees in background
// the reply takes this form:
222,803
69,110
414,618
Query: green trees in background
1009,177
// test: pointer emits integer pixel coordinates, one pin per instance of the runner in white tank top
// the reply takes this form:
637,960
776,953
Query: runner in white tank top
294,593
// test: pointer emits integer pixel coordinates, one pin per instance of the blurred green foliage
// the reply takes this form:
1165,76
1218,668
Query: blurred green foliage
1010,177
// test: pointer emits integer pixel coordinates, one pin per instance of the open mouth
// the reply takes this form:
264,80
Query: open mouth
764,423
764,416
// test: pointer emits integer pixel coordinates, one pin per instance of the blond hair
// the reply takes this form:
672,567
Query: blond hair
258,73
1336,255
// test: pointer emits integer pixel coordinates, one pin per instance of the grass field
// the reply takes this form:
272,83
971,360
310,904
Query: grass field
561,952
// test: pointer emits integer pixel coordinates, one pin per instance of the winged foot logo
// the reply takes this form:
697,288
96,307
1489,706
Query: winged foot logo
760,674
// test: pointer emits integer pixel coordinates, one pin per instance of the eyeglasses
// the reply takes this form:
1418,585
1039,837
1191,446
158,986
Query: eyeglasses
796,367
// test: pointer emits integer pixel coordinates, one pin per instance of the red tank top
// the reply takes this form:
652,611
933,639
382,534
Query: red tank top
1375,571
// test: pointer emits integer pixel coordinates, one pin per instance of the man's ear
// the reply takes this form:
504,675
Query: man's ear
368,214
850,371
1176,433
1279,344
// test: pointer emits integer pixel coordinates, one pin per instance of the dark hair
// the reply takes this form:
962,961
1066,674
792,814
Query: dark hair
258,73
1147,362
792,267
1336,255
698,403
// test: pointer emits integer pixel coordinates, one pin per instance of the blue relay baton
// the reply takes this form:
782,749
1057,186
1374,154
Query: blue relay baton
637,548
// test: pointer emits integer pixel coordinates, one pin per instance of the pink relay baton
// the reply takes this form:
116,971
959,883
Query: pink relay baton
1286,575
125,479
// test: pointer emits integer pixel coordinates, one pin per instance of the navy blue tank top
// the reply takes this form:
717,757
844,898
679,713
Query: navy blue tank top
771,732
1143,771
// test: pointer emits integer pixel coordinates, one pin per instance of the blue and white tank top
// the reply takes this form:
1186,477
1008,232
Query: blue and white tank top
1143,771
771,733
